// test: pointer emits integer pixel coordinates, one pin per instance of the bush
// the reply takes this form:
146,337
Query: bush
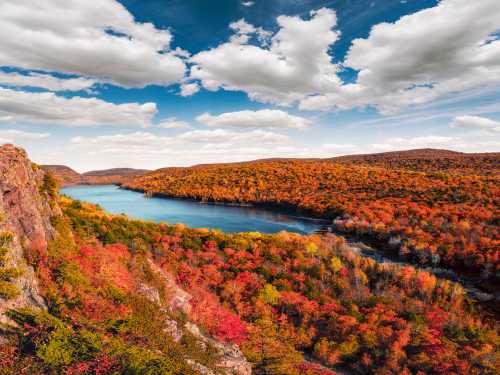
7,274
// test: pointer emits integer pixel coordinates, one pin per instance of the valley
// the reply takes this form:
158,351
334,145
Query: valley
134,296
250,187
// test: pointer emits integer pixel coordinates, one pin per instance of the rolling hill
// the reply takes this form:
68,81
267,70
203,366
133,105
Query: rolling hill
86,292
67,176
429,160
434,207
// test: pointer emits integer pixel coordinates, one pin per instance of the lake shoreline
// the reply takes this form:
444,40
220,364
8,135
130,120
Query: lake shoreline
279,208
231,218
485,294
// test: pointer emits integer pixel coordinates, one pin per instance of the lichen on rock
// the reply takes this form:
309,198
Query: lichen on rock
26,211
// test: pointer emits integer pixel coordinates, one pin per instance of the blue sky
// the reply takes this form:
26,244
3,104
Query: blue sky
154,83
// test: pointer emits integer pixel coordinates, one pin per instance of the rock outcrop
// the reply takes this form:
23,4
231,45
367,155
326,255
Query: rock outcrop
28,205
26,208
231,359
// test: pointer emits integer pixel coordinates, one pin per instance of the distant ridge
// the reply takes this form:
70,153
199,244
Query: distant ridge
426,153
117,172
64,173
429,160
423,160
68,176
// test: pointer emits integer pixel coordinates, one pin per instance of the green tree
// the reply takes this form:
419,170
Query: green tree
271,349
270,295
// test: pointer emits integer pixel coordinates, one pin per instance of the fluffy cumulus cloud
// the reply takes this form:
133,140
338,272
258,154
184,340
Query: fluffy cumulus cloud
476,123
449,48
232,137
263,119
145,148
49,108
437,51
96,39
189,89
140,139
45,81
153,141
13,135
279,69
173,123
155,151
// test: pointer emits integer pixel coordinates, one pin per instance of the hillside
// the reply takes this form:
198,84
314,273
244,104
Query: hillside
64,174
116,172
429,160
121,296
74,305
446,218
67,176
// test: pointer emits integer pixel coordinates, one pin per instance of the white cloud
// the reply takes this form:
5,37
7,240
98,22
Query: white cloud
139,139
437,51
96,39
45,81
13,135
147,140
173,123
48,108
193,147
434,53
248,4
244,32
296,62
188,89
263,119
476,122
227,136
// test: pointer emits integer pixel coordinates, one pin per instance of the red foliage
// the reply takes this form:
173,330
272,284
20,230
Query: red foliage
219,321
308,368
101,365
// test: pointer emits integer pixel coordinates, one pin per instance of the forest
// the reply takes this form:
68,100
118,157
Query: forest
446,217
293,304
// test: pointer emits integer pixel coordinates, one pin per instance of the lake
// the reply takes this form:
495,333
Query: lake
192,214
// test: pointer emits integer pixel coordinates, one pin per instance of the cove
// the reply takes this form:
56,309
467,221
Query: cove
229,219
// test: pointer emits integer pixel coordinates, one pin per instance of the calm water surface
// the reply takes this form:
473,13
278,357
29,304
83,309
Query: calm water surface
193,214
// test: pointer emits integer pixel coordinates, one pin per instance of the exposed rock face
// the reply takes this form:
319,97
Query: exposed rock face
179,299
231,361
27,205
25,211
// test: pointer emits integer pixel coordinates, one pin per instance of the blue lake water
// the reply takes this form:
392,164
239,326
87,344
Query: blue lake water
192,214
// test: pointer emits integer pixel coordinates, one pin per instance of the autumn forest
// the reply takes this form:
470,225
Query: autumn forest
123,296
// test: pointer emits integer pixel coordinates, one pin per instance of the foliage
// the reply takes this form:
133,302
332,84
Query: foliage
49,185
445,214
7,274
294,304
277,298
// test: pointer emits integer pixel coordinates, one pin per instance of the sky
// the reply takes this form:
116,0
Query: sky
157,83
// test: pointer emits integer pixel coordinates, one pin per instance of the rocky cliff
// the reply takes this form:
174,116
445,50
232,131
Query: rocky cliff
26,207
29,203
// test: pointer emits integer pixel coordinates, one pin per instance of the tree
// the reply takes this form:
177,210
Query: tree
269,294
271,349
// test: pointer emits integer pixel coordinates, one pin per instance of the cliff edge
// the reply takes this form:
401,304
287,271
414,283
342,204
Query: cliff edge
27,203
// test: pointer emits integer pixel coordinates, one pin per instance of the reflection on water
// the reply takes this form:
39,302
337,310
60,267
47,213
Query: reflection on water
193,214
